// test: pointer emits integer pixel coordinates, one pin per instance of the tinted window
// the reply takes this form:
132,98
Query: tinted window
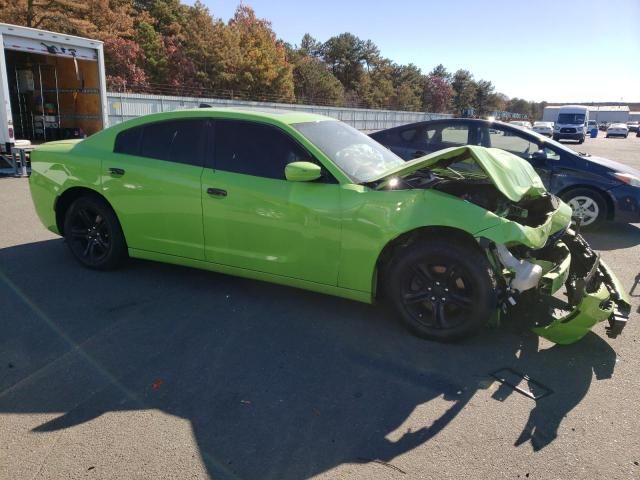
128,141
408,135
175,141
255,149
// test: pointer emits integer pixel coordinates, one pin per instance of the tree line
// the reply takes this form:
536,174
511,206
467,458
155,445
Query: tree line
168,47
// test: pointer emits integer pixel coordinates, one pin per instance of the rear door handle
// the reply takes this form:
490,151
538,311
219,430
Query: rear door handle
216,192
116,171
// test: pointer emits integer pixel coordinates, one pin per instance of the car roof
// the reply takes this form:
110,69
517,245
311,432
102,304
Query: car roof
277,114
453,121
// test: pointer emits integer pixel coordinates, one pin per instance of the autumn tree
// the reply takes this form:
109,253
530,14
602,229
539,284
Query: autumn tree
123,63
262,66
437,94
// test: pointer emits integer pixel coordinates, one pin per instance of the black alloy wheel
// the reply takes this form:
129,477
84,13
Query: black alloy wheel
443,291
93,234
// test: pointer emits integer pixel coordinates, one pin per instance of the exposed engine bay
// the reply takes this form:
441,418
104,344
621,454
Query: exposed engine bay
480,190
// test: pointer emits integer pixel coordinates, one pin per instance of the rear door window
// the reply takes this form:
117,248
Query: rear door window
128,141
178,141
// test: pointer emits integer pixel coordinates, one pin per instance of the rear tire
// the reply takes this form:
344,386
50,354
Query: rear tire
93,234
589,203
442,290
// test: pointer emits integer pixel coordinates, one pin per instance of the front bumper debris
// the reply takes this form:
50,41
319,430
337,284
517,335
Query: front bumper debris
594,294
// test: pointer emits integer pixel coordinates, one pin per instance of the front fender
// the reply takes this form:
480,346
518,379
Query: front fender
508,232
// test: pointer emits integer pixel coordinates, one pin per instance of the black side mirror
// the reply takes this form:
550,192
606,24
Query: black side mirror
539,157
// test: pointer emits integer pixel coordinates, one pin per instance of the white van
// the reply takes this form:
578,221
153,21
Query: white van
572,123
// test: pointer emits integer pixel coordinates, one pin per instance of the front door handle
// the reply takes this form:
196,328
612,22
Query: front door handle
216,192
116,171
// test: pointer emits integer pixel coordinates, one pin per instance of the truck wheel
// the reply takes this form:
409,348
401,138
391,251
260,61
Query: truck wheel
93,234
581,140
556,138
587,203
442,290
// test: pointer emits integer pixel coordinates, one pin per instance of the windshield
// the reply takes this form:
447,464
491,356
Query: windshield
357,155
571,118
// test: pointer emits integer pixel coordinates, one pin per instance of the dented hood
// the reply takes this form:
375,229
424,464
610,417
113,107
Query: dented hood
512,175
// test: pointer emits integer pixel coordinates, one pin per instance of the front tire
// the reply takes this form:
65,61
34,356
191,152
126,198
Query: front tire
587,203
93,234
442,290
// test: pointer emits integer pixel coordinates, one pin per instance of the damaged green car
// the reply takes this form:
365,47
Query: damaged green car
453,240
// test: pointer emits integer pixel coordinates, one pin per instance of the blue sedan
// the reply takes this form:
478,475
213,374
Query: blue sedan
596,188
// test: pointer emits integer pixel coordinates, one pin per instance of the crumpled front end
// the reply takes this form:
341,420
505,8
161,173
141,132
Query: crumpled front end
535,279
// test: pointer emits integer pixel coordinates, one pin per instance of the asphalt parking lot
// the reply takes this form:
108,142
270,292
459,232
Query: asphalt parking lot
157,371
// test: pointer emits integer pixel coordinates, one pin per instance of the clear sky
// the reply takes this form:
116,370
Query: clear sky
554,50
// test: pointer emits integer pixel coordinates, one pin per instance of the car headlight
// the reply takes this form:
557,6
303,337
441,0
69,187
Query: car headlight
627,178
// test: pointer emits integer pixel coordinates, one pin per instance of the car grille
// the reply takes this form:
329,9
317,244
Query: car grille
567,130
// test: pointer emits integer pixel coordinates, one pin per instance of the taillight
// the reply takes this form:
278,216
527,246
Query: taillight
10,132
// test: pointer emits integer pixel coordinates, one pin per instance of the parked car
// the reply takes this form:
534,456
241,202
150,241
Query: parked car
597,189
543,128
618,130
307,201
591,124
633,126
522,124
603,126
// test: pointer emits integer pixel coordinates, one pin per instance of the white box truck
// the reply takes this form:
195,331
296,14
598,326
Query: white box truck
572,123
52,86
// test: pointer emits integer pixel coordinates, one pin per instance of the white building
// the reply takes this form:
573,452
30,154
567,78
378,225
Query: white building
606,113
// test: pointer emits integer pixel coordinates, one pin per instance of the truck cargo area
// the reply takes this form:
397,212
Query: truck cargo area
52,87
53,98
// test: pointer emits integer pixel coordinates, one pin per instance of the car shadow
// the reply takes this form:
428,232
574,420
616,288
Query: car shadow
613,236
276,382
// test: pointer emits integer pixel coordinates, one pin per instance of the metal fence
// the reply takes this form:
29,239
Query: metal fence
124,106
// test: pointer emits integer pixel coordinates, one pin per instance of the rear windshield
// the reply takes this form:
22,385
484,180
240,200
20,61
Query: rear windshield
571,118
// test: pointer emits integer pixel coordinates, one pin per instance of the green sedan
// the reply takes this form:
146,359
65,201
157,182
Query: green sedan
453,240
